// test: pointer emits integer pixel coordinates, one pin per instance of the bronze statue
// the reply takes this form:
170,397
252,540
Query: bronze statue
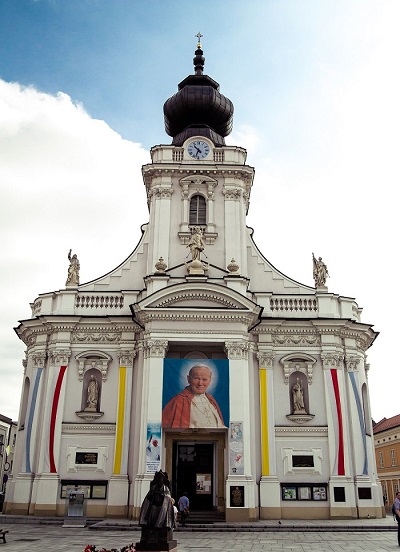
157,517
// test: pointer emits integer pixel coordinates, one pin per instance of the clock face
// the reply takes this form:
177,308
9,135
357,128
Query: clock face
198,149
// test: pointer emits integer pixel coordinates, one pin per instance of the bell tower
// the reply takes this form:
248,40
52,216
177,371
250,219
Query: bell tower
198,188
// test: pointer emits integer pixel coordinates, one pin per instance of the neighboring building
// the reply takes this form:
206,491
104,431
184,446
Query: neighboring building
387,453
274,421
7,444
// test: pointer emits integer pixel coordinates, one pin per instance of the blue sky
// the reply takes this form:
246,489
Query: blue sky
315,88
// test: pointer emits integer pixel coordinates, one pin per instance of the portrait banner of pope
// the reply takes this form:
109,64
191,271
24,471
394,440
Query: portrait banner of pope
195,393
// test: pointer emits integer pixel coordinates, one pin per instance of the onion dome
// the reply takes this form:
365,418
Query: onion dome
198,108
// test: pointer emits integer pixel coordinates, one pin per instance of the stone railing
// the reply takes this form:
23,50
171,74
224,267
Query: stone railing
293,304
99,301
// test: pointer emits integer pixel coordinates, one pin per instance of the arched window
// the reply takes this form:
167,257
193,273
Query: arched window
197,211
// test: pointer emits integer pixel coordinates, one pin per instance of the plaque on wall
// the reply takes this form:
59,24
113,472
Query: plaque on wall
237,497
86,457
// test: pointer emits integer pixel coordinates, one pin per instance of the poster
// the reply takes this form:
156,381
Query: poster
203,483
153,447
195,393
236,448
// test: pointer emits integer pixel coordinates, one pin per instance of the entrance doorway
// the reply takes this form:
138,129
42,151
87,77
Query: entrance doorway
193,473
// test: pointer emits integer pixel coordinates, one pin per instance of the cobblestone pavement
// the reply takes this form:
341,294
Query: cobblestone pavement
45,538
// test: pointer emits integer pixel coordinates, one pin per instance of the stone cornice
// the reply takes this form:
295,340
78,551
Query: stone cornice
76,428
300,432
177,316
242,172
309,335
196,295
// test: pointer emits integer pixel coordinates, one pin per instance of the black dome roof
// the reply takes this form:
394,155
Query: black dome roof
198,108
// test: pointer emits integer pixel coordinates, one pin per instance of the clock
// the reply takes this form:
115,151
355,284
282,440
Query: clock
198,149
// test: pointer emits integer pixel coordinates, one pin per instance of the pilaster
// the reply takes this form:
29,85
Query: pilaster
240,413
153,351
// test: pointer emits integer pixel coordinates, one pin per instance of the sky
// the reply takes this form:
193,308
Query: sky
316,88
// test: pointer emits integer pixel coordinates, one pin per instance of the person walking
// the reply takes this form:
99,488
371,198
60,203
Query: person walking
183,505
396,505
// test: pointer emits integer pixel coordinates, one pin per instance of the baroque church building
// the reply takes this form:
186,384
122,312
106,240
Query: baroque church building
198,357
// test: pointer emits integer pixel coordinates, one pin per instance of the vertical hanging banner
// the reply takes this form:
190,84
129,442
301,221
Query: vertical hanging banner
153,447
236,448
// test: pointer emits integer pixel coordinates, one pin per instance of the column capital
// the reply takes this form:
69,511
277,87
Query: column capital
126,358
265,359
237,350
153,347
332,360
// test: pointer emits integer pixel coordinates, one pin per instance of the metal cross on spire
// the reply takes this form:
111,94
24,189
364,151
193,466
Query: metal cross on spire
199,35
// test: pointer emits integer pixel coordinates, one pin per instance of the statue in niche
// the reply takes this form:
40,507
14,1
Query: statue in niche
92,394
73,270
196,244
298,398
320,271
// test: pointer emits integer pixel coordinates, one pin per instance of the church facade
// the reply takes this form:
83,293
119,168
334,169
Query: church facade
198,357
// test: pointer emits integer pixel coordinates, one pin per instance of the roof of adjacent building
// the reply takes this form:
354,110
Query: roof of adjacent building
387,423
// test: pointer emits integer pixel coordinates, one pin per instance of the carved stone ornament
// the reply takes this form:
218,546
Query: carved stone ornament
96,335
332,360
93,359
153,348
300,418
126,358
88,415
39,359
233,267
161,265
59,356
352,362
306,340
265,359
298,362
237,350
232,194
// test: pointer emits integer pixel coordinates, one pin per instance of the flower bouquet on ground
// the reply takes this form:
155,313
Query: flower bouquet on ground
127,548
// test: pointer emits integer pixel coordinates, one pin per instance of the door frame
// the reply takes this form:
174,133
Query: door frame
219,440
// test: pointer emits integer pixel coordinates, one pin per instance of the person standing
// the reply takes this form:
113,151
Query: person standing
183,505
396,505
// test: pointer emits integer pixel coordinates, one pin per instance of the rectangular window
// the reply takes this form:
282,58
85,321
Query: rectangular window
392,457
365,493
381,464
339,494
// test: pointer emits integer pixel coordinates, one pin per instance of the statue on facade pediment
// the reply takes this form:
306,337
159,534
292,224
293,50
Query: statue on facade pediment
196,246
73,270
320,271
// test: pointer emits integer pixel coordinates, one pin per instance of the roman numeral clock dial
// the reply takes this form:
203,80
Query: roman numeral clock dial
198,149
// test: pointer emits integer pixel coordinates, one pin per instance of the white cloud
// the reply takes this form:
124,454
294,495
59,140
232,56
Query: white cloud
66,181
